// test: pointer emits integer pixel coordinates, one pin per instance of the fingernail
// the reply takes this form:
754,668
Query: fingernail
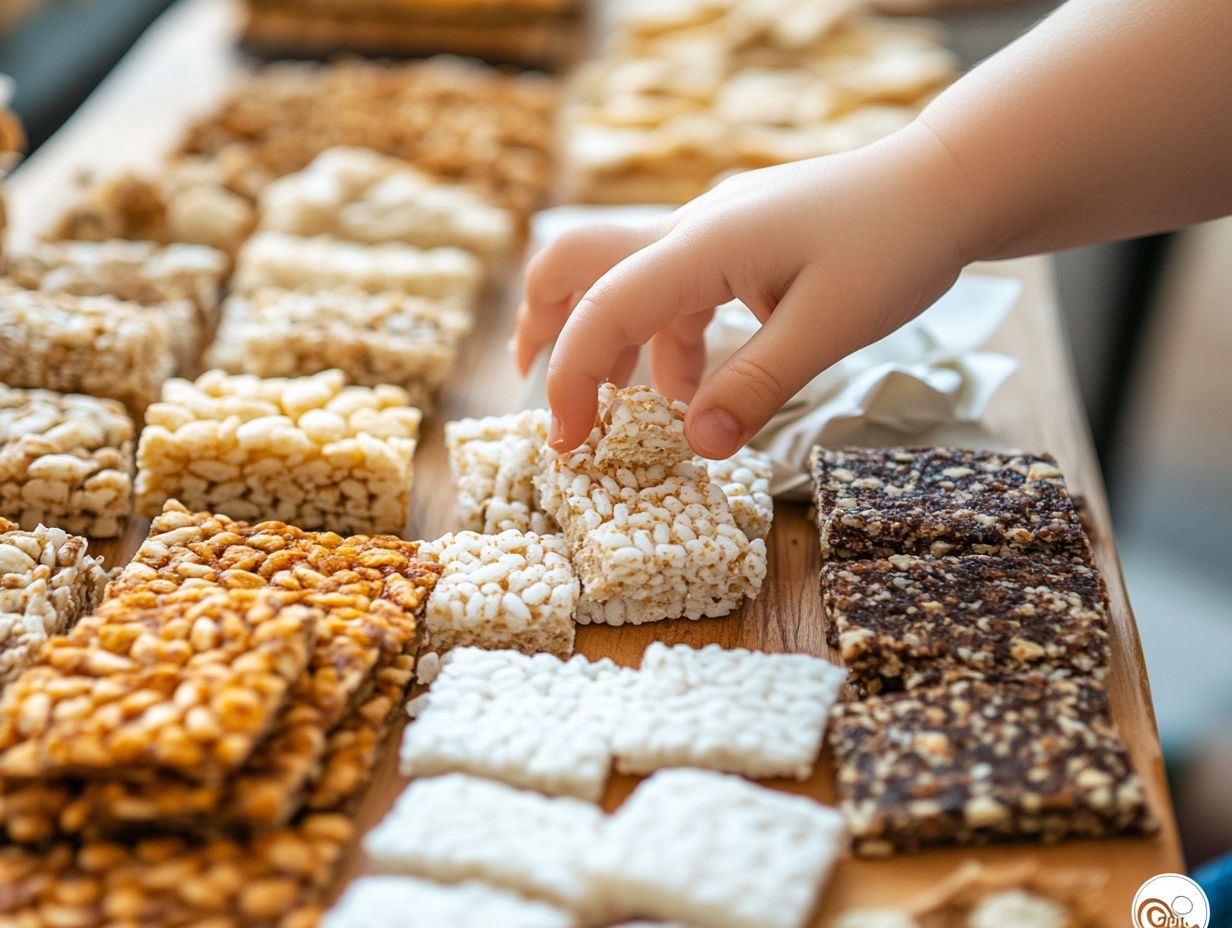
717,432
554,431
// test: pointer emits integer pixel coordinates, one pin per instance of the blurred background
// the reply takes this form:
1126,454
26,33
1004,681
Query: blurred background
1151,331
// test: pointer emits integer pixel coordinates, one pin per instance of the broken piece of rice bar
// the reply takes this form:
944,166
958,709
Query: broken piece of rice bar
745,481
94,345
711,849
638,426
310,451
291,262
65,460
455,827
188,683
47,582
512,590
936,501
906,622
385,901
275,879
373,338
969,763
738,711
360,195
534,722
495,462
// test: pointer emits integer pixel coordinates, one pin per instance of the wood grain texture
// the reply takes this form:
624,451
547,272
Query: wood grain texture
186,61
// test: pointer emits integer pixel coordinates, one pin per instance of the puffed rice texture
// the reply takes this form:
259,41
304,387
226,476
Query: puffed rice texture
495,462
388,901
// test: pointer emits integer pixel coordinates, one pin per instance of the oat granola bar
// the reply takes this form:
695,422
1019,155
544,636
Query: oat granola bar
309,451
65,460
970,763
936,501
494,462
906,622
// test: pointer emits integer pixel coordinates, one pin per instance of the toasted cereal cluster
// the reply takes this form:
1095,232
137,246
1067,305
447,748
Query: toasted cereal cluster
85,344
360,195
745,481
495,462
65,460
309,451
373,338
512,590
383,901
47,582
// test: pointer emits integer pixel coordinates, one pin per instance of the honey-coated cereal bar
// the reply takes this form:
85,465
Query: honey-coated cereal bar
65,460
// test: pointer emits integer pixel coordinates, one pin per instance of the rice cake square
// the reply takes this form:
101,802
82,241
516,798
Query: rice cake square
936,501
904,622
386,902
494,462
971,763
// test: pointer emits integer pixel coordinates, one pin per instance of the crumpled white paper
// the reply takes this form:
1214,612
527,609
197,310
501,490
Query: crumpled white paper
927,378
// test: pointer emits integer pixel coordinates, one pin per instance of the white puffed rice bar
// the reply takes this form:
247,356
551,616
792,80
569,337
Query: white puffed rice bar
308,451
94,345
717,851
47,582
534,722
363,196
373,338
639,426
455,828
512,590
275,259
395,902
745,481
65,460
495,462
738,711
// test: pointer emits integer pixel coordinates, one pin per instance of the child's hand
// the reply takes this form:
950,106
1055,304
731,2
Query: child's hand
830,254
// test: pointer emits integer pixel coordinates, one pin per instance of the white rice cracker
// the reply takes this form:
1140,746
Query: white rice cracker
737,711
717,851
396,902
455,828
534,722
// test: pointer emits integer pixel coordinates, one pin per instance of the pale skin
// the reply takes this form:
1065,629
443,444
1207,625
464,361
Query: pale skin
1111,119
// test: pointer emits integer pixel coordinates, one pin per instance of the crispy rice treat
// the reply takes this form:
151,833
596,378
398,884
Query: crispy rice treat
495,462
455,828
360,195
906,622
47,582
85,344
453,120
309,451
745,481
710,849
936,501
272,880
650,541
384,901
738,711
373,338
187,684
65,460
513,590
970,763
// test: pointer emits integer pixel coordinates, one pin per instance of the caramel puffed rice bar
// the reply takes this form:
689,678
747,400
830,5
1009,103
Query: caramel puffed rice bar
360,195
94,345
65,460
188,684
495,461
309,451
47,582
410,342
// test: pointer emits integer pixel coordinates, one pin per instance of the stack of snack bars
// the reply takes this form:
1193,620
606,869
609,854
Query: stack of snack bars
961,593
688,92
225,702
532,33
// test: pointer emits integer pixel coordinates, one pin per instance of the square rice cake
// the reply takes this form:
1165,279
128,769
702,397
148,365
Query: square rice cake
386,902
710,849
936,501
904,622
971,763
495,461
745,481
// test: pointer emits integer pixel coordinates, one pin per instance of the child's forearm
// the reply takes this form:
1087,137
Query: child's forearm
1111,119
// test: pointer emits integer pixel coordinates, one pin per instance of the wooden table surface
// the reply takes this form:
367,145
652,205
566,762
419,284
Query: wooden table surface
186,61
